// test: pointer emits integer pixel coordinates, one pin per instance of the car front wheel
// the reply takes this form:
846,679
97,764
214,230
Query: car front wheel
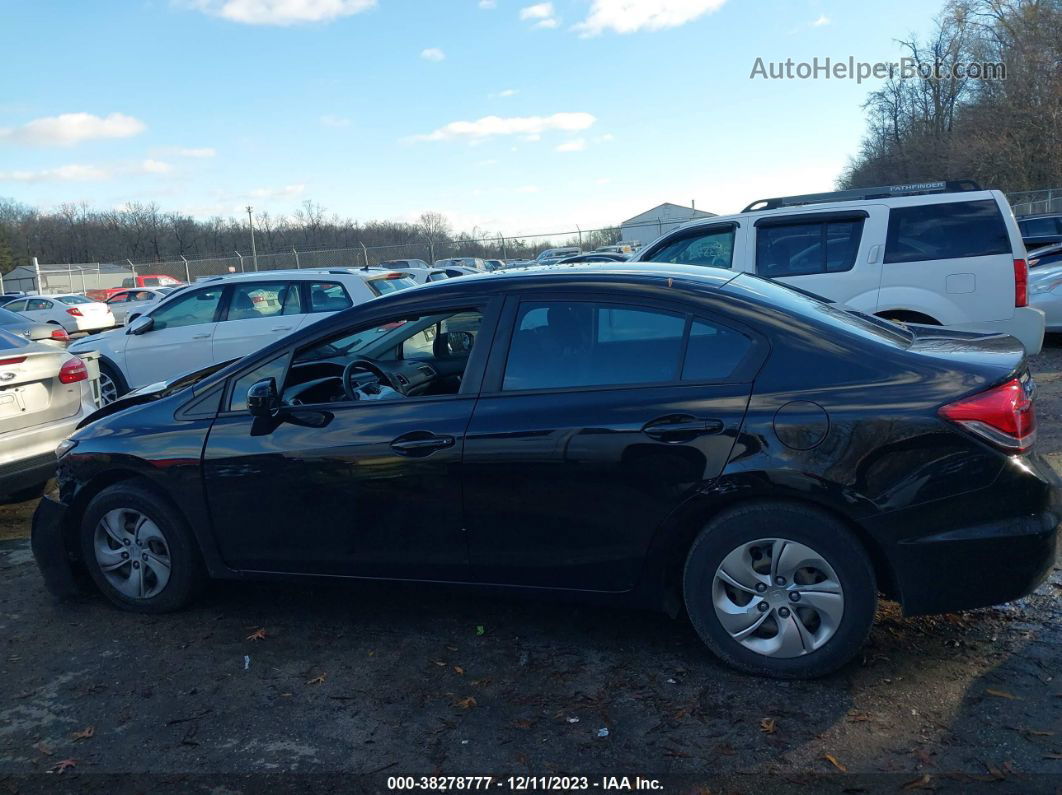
780,590
111,385
139,551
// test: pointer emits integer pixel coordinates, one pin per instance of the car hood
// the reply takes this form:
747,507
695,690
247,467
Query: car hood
93,343
156,391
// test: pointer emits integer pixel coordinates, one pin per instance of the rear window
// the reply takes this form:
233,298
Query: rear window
819,310
328,297
390,284
73,299
1041,226
946,231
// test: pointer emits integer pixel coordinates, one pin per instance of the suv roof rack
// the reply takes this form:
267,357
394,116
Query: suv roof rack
861,194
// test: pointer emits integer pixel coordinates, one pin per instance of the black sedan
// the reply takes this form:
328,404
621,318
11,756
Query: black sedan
681,437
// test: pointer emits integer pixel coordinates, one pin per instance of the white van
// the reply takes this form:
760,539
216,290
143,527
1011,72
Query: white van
942,253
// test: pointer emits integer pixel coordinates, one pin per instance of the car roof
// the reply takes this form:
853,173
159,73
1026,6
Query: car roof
288,273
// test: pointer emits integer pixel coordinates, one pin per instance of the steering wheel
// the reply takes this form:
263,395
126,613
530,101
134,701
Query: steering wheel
371,367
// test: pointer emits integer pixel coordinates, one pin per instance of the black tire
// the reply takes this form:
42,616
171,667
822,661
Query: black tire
187,575
805,525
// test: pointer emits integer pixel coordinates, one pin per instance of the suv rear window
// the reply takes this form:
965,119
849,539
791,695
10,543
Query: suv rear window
946,231
801,248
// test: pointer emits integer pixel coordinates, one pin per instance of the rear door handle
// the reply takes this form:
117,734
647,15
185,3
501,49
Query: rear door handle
680,428
200,336
282,328
421,443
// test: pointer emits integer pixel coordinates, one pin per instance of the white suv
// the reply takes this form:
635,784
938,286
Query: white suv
941,253
226,317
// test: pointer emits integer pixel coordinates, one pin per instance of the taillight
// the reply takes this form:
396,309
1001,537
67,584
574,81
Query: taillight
1002,415
12,360
72,371
74,311
1021,283
60,335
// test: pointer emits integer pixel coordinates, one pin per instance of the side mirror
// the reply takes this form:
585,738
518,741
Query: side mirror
140,325
263,400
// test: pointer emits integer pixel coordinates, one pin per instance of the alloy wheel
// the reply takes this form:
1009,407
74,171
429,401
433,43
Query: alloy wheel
777,597
132,553
108,389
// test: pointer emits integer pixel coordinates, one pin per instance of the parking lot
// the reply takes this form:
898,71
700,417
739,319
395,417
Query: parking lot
377,681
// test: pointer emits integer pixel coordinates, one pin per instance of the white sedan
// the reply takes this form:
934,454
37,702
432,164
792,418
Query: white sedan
73,312
130,304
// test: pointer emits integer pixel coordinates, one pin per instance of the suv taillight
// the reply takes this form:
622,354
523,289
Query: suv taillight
1002,415
1021,283
72,371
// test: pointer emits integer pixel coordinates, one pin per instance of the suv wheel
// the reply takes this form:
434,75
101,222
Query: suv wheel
139,550
780,590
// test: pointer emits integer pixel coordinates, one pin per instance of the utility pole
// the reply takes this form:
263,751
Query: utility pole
250,223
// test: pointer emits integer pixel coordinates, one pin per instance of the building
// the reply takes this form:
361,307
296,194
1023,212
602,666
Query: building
649,225
64,278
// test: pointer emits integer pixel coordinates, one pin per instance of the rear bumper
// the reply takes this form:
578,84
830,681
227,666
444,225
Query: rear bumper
27,456
48,542
25,473
987,547
1027,325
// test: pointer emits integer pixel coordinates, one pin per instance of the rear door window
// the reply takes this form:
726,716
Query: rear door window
802,248
255,300
328,297
946,231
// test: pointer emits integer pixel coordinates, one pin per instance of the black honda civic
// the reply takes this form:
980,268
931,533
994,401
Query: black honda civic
705,442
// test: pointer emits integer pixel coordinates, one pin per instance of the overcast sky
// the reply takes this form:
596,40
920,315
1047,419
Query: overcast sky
517,117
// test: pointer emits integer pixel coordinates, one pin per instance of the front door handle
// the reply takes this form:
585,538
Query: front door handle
282,328
421,443
680,428
200,336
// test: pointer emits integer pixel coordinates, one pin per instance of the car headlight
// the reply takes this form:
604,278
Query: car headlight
65,447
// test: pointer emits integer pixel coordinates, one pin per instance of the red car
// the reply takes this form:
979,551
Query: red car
144,280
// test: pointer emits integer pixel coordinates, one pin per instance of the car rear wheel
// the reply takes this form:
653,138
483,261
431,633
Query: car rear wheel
780,590
139,551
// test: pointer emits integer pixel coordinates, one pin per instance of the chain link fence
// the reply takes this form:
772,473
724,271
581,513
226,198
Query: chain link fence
1034,202
89,277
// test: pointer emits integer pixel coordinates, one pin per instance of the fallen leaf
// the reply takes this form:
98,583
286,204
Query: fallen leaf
919,783
459,670
835,762
258,634
1003,694
768,725
317,680
440,663
465,703
481,630
85,734
62,766
1038,733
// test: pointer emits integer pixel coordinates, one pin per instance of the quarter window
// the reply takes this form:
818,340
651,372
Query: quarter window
713,352
805,248
188,310
714,247
946,231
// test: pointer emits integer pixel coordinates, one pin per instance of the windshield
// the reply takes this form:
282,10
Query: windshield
390,284
73,299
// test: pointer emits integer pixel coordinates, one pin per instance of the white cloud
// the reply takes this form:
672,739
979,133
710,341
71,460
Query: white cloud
574,145
150,166
529,189
71,173
508,92
486,5
821,21
602,181
490,126
68,129
542,14
604,139
286,191
630,16
337,122
433,54
198,152
282,12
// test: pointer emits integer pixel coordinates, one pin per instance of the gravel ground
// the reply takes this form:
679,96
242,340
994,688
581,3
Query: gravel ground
349,686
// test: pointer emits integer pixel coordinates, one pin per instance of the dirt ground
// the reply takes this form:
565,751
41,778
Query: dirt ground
347,687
